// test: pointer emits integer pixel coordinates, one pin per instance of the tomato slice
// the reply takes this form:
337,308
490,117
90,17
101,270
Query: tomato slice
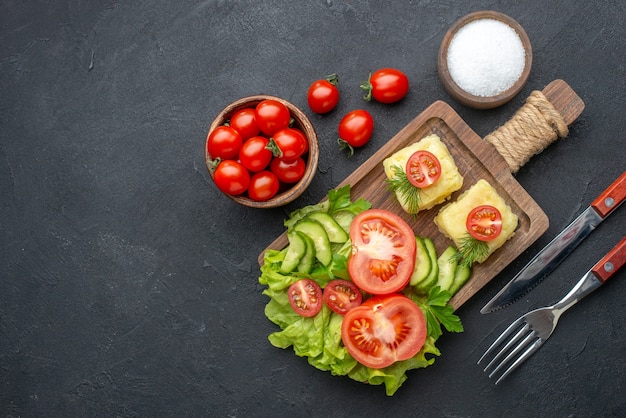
383,252
423,169
341,296
484,223
383,330
305,297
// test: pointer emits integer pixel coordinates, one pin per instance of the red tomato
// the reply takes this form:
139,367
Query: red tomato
271,116
288,144
305,297
355,129
341,296
224,142
263,185
484,223
288,171
423,169
306,142
383,252
243,122
383,330
231,177
254,155
386,85
323,95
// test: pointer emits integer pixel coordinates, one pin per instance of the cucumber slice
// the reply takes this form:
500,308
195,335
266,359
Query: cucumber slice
447,267
461,276
422,262
306,262
334,231
431,279
318,234
295,252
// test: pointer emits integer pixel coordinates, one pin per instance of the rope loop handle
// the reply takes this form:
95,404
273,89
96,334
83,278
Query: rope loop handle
534,126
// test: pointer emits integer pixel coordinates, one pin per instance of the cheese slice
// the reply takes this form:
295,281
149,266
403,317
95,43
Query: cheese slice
449,182
451,218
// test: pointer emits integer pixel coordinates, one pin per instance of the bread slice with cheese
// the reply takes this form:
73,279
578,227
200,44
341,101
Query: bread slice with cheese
451,219
449,182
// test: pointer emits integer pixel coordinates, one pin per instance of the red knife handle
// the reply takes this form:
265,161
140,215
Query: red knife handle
611,197
611,262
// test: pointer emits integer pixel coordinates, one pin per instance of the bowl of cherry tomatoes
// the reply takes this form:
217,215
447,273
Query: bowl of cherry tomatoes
262,151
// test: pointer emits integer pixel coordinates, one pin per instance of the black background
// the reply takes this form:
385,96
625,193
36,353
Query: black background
129,283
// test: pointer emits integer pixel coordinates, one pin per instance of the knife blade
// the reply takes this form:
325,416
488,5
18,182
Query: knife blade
560,247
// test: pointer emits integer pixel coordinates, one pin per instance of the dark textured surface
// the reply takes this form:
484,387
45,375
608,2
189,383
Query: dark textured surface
129,284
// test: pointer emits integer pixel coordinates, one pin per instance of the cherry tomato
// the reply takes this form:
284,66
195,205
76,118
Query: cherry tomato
305,297
243,122
224,142
484,223
231,177
383,330
423,169
386,85
271,116
341,296
355,129
306,142
383,252
288,144
323,95
254,155
263,185
288,171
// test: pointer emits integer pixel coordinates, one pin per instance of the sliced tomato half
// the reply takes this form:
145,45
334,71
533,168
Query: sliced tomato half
484,223
383,330
423,169
383,252
341,296
305,297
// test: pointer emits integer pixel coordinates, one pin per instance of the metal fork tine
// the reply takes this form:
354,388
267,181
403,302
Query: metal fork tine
522,331
523,344
500,339
529,351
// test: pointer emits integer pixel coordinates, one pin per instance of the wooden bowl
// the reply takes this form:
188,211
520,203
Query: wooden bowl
462,95
301,122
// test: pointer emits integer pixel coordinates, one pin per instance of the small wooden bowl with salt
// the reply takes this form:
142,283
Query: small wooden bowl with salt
484,59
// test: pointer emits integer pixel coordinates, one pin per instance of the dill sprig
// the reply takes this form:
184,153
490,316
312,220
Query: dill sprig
471,250
400,183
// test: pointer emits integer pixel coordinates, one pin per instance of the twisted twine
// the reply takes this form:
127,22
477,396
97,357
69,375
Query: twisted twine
533,127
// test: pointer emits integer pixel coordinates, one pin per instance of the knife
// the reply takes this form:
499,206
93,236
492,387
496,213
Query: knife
560,247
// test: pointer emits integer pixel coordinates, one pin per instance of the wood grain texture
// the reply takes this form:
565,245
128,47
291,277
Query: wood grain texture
565,100
476,160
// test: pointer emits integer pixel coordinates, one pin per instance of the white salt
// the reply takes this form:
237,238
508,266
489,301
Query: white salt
486,57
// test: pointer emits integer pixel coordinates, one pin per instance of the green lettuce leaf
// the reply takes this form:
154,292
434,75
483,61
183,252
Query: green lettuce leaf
337,204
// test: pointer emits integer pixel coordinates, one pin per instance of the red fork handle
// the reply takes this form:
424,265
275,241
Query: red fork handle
611,262
611,197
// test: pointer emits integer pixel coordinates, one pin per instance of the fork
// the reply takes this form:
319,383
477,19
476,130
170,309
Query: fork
531,330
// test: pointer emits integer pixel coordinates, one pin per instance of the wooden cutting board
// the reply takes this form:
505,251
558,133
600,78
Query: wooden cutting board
475,159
